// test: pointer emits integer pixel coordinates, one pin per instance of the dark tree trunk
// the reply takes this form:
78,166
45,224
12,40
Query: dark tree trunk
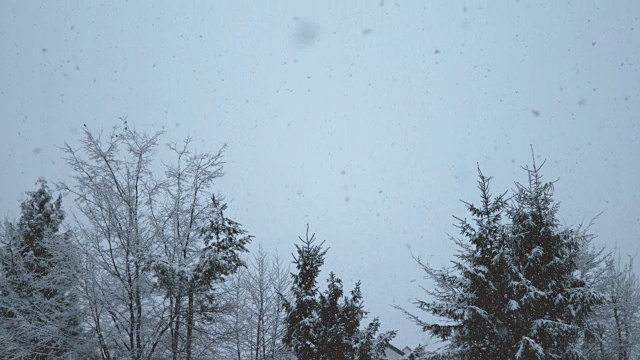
189,325
175,328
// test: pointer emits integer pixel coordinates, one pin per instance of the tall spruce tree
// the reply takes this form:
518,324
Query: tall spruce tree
513,291
38,303
552,302
486,270
470,294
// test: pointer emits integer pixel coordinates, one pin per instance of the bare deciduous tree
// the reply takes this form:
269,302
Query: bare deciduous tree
155,246
113,185
179,210
256,322
616,323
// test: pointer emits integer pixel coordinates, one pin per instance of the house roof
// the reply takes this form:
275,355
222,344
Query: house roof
395,349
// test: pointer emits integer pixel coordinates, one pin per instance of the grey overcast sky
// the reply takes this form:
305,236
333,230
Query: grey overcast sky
364,119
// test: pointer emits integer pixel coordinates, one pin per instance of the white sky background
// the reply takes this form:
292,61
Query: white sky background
364,119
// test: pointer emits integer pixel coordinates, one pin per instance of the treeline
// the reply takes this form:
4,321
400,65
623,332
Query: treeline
148,265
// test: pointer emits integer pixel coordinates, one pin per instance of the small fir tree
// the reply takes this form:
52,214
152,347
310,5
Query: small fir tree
302,320
326,326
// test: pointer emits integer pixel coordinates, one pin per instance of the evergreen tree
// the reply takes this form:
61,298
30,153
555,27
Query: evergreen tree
38,303
553,303
371,347
326,326
302,320
486,269
339,320
224,240
513,291
471,293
